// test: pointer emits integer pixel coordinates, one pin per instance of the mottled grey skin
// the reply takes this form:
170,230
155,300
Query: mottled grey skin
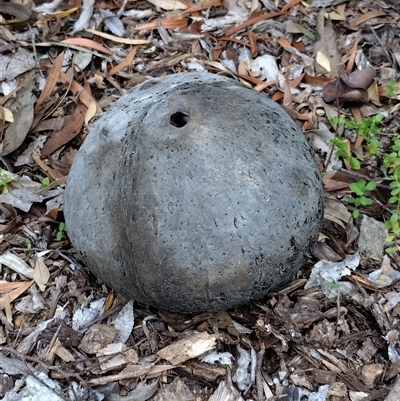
201,217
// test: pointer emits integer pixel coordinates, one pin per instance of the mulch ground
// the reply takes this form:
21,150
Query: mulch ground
332,333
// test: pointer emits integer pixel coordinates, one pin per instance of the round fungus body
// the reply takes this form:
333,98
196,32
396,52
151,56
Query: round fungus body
194,193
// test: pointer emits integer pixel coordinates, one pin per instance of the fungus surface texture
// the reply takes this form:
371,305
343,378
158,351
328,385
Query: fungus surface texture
194,193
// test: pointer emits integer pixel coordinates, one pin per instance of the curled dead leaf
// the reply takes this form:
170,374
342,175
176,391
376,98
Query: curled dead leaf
339,89
361,78
16,10
7,213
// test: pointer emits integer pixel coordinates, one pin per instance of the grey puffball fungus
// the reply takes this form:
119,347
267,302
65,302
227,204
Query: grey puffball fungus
194,193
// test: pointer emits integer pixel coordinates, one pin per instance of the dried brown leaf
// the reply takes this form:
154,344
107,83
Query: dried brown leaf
127,41
352,58
338,89
126,62
6,286
16,10
91,44
168,4
41,274
326,48
369,15
361,78
7,212
51,80
16,133
11,296
291,4
287,95
90,112
54,175
165,23
203,6
316,81
253,20
6,115
84,96
70,131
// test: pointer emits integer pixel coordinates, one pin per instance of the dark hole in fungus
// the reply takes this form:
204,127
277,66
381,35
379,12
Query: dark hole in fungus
179,119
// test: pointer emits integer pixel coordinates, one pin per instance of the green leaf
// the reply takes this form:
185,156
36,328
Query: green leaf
394,217
354,163
45,182
391,249
59,235
393,199
389,238
334,121
351,199
310,35
61,227
366,201
355,187
387,224
355,213
373,146
371,186
332,286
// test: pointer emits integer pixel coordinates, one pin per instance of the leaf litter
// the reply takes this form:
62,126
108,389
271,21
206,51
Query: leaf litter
330,334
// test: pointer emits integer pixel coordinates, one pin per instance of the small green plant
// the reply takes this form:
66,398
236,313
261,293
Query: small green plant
4,180
359,199
340,144
61,229
366,128
392,90
331,285
28,243
391,162
45,182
